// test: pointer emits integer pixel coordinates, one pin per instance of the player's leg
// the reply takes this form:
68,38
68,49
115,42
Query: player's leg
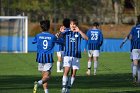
62,58
135,69
95,58
138,71
37,83
67,65
131,58
46,70
59,61
138,58
89,62
95,64
71,79
45,78
135,55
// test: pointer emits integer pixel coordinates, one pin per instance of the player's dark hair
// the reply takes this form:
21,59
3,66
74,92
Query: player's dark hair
96,24
75,21
45,25
66,22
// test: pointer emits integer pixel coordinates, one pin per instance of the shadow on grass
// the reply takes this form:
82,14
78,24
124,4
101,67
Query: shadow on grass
136,91
106,81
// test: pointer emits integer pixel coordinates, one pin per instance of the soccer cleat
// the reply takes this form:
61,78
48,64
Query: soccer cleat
88,73
67,90
63,90
134,79
35,87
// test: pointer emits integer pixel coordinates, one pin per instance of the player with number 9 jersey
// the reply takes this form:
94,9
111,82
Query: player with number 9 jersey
45,43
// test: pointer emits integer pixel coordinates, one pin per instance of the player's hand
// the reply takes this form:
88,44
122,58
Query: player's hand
62,29
58,34
76,29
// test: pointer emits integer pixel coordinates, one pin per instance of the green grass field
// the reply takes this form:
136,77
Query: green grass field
19,71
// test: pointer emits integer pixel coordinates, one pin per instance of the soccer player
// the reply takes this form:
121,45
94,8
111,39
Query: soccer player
72,52
95,40
60,54
45,43
135,45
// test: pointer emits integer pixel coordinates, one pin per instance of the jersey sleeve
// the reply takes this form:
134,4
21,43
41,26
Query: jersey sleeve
101,39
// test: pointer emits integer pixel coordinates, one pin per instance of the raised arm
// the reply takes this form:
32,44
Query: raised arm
82,34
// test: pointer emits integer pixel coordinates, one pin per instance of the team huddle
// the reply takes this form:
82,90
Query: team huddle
68,40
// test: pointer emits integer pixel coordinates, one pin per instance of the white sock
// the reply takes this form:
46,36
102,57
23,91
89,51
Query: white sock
72,80
134,70
64,81
58,66
95,66
89,65
40,82
46,91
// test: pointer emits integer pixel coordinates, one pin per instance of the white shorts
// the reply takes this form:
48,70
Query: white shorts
45,66
93,53
60,53
136,54
72,62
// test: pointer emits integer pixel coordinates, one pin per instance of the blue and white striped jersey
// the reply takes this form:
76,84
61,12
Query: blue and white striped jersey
95,39
72,43
45,43
135,41
60,44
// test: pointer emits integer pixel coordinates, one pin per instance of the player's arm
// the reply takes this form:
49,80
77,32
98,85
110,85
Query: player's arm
59,34
82,34
124,41
129,36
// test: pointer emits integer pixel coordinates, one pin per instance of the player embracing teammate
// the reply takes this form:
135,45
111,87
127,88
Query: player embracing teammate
72,37
72,52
